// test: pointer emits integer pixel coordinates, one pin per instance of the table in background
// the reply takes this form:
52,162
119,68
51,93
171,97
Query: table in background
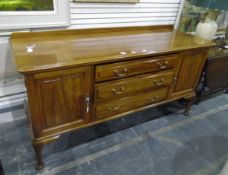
1,168
215,75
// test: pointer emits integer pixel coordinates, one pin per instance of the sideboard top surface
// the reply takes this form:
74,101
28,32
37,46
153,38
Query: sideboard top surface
47,50
215,53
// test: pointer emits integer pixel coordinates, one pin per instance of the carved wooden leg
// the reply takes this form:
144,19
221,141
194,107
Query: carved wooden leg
226,91
188,106
39,158
201,88
1,169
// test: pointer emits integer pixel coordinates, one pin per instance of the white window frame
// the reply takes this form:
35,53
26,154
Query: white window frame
182,2
36,19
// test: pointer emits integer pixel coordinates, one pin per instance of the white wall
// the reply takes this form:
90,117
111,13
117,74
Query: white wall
144,13
7,68
10,81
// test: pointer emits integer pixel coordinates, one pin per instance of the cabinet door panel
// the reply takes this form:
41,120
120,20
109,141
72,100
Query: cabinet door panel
191,67
63,99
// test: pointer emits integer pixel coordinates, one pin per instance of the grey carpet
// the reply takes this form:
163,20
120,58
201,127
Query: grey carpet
135,145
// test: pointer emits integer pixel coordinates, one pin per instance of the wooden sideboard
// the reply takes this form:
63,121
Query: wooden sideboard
78,78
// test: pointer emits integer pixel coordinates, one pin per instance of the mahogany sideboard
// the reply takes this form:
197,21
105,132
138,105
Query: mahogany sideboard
78,78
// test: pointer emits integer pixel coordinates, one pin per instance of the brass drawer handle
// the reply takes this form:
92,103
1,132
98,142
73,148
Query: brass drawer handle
159,82
120,73
175,80
114,108
162,66
153,99
87,101
119,91
52,80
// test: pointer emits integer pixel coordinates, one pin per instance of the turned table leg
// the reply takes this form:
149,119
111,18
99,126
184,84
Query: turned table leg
1,168
39,158
188,106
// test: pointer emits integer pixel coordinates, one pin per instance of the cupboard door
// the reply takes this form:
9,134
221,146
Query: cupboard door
64,98
190,71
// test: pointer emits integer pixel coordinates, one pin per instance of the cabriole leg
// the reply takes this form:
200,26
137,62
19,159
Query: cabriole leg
39,157
188,106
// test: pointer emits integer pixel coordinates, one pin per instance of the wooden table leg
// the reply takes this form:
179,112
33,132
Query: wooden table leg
1,169
39,157
188,106
201,87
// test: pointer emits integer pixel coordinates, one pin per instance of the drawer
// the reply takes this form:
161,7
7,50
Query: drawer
123,87
104,110
134,67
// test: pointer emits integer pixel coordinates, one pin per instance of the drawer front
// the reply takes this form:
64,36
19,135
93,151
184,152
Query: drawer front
104,110
128,68
123,87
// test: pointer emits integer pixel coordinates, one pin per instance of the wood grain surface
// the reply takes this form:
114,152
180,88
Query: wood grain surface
58,49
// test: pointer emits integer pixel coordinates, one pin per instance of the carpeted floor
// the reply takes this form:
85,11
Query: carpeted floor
135,145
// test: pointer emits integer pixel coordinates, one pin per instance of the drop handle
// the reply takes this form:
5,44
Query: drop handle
153,99
159,82
52,80
175,80
118,91
87,101
120,73
162,66
114,108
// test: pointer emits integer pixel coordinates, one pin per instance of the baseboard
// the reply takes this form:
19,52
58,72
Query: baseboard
12,101
12,92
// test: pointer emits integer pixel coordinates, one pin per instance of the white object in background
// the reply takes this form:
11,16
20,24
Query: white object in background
225,169
206,29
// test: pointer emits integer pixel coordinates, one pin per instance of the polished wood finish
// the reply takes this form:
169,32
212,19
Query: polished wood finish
129,68
128,86
130,103
61,99
38,152
191,66
78,78
95,31
53,50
